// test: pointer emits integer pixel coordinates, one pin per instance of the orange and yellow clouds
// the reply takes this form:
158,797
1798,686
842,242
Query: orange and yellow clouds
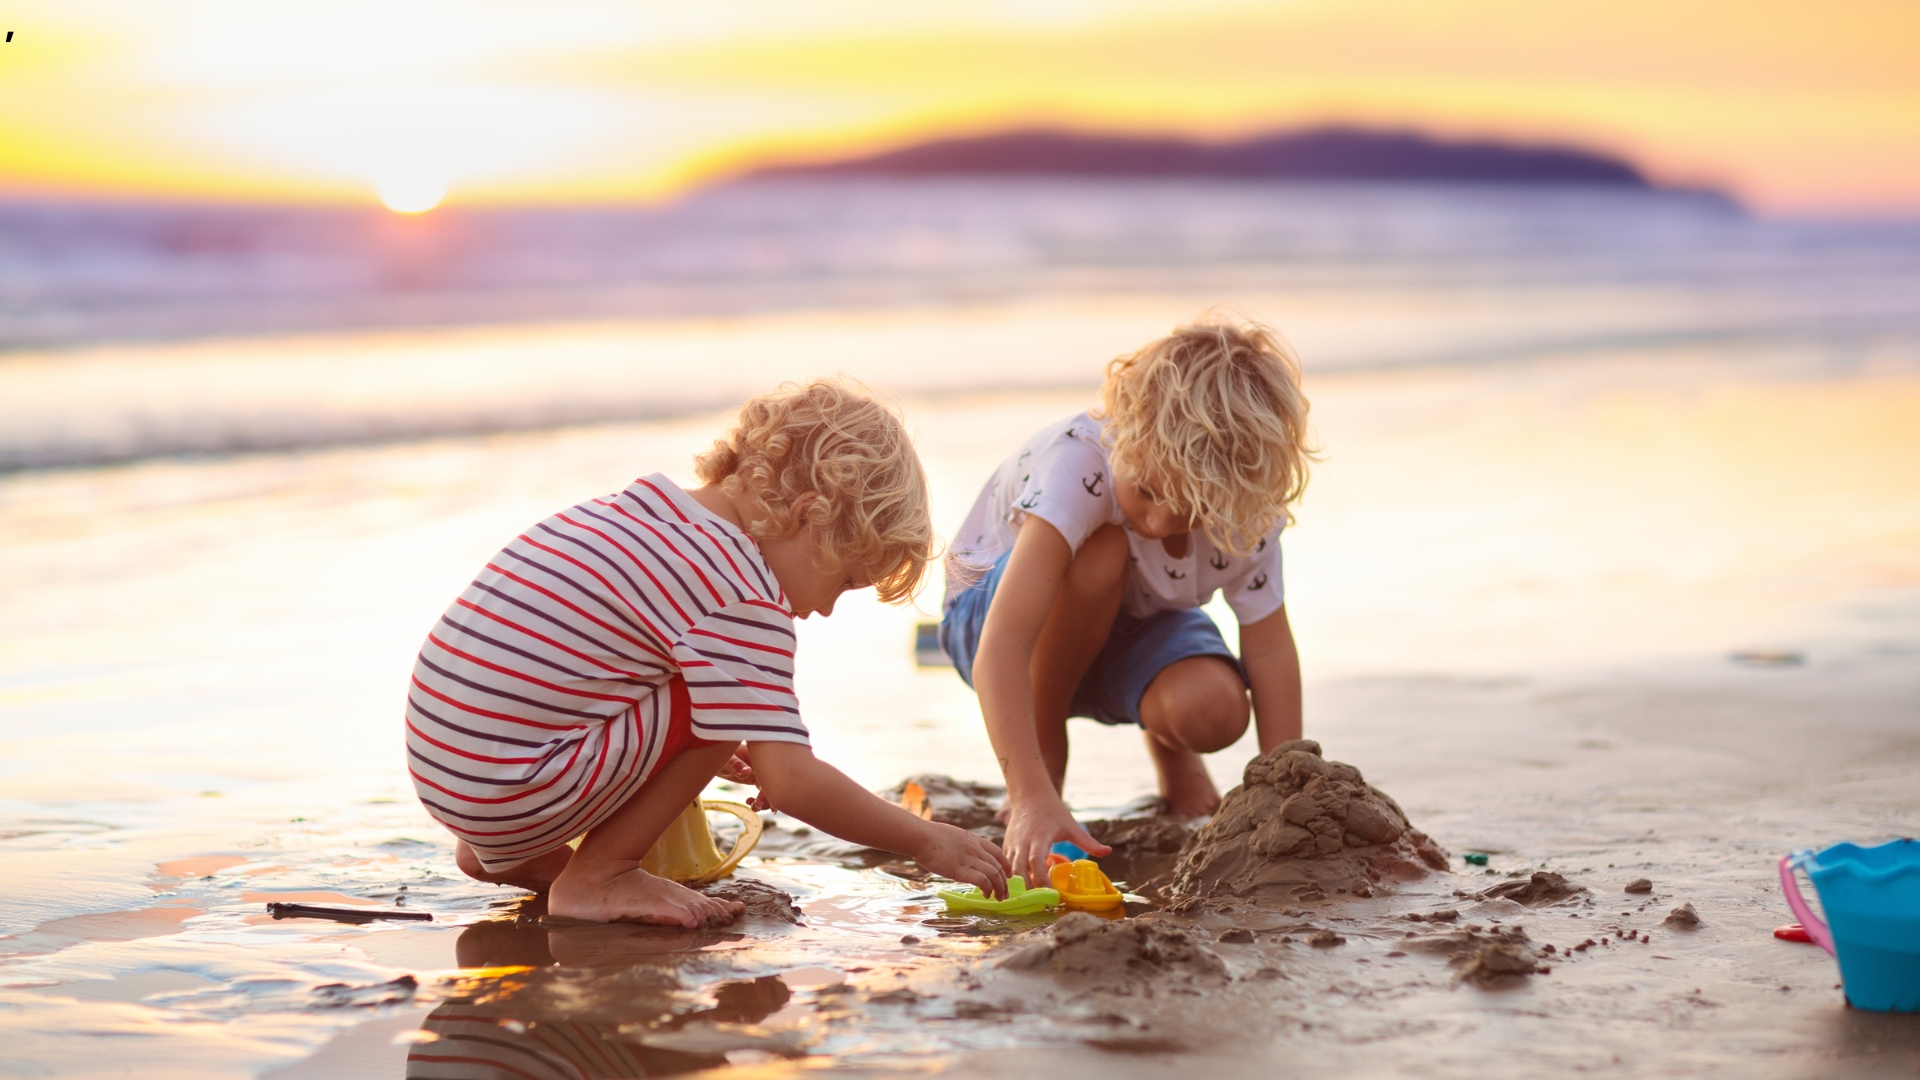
1793,106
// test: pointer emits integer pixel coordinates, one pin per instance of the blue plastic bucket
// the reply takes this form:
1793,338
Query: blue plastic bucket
1872,900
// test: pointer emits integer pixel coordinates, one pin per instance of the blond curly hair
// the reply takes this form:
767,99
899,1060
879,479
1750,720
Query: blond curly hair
833,438
1214,411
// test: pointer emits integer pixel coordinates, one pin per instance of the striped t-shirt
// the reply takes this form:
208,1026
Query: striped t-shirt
540,701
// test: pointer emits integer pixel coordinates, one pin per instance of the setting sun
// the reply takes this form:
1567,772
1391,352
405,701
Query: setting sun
411,192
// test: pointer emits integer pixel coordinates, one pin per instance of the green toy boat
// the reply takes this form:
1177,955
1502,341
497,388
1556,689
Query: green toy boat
1020,900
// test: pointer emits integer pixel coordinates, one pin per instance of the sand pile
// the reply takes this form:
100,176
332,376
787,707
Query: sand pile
1141,837
1145,850
1544,887
762,900
1485,959
1300,827
1080,948
1496,962
955,802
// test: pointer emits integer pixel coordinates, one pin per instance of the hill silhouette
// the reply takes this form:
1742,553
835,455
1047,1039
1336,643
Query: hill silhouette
1319,154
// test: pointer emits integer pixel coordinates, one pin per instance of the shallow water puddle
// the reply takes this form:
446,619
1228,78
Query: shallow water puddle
200,866
132,925
489,972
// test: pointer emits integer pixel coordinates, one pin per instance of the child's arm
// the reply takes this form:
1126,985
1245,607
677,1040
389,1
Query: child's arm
797,783
1272,664
1003,677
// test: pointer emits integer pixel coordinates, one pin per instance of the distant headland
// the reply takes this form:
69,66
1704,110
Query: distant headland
1319,154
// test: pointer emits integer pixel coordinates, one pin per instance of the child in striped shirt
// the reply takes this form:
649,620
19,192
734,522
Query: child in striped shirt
614,658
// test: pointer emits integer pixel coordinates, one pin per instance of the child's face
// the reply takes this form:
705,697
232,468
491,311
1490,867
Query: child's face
816,590
1150,513
809,588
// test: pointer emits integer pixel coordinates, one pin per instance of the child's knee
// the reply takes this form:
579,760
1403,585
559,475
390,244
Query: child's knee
1201,702
1219,724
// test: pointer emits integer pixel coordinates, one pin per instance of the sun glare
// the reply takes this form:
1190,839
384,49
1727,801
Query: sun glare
411,192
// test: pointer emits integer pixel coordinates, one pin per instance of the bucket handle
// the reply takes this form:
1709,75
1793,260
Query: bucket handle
744,843
1790,885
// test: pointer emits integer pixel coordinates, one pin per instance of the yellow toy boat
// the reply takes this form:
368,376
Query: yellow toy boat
1083,886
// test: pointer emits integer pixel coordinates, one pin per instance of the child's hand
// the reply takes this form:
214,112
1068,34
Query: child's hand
1032,828
739,770
958,854
739,767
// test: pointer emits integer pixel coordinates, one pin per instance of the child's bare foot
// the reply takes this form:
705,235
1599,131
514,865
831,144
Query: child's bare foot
535,875
617,890
1198,801
1185,785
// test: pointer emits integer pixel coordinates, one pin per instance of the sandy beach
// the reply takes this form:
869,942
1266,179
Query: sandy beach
1651,613
1604,586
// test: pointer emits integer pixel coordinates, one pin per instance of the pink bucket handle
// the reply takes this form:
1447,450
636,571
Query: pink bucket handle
1790,885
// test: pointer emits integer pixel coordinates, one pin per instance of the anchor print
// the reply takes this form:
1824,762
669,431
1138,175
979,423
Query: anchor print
1217,561
1259,582
1172,573
1031,501
1261,546
1093,485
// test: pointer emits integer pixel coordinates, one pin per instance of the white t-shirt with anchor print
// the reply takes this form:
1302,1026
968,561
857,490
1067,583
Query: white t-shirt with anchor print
1061,476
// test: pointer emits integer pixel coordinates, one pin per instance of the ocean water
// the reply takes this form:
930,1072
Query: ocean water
1579,450
132,331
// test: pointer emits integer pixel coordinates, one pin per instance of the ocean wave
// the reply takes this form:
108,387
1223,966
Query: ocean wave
137,331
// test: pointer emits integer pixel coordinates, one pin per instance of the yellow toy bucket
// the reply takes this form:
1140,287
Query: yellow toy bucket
686,853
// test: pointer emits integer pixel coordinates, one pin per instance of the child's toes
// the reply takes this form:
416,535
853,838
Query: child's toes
720,912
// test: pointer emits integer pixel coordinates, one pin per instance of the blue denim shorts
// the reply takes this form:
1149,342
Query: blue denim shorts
1136,652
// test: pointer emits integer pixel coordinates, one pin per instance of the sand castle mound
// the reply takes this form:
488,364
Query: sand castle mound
1300,827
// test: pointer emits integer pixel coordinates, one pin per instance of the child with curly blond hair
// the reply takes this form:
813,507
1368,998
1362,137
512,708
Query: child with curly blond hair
1074,586
614,658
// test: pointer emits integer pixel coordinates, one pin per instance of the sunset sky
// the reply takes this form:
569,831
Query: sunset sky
1791,105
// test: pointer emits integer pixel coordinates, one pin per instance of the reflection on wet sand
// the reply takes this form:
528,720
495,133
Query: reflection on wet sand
583,1003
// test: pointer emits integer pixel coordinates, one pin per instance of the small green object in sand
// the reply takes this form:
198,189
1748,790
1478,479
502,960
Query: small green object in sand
1475,858
1020,900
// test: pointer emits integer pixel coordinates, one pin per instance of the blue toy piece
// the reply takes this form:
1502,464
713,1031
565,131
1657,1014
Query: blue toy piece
1074,852
1872,900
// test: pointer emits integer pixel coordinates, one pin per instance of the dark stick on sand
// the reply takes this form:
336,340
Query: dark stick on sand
343,914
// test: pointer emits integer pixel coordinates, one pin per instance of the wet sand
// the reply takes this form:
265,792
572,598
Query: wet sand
1517,593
